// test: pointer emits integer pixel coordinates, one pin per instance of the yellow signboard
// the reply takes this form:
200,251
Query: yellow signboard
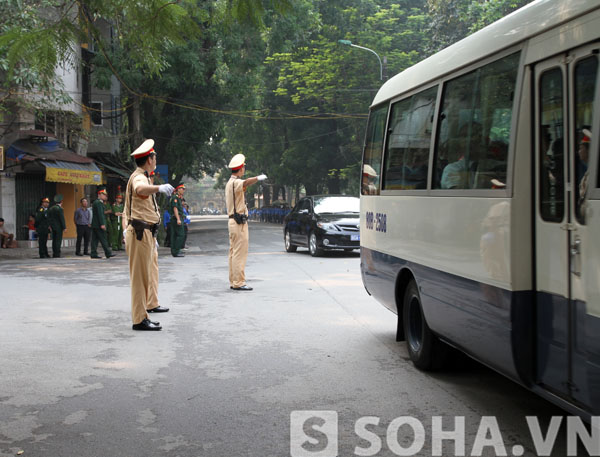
74,176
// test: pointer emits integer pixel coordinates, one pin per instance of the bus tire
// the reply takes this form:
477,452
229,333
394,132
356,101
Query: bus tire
289,247
313,247
424,348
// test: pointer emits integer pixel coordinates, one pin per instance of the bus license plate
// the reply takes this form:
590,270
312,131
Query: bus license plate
354,237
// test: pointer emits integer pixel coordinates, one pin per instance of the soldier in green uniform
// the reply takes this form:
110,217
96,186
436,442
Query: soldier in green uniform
56,217
177,227
42,227
108,212
116,235
99,227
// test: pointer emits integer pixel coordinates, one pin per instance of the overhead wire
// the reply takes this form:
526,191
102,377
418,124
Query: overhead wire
321,116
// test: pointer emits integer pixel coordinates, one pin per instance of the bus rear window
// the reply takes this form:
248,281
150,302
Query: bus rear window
474,127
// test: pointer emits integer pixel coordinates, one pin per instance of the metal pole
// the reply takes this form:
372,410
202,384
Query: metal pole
349,43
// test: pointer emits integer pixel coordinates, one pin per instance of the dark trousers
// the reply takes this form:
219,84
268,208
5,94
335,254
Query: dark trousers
168,236
42,240
56,242
99,235
83,232
177,235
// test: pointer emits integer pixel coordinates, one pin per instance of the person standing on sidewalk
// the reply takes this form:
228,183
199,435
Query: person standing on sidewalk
108,214
167,225
83,222
116,235
141,217
238,221
56,218
177,225
42,227
99,226
186,222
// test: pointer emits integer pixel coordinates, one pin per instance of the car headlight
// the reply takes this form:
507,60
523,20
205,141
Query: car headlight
325,226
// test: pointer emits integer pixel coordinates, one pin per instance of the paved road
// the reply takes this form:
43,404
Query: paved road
229,368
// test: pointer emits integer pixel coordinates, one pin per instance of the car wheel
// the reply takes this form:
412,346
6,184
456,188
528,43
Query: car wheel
313,247
289,247
424,348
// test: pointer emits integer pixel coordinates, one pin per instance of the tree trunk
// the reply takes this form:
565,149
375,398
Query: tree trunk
250,200
311,189
266,191
333,184
135,123
276,191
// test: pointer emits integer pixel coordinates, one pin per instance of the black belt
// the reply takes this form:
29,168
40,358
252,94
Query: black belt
239,218
140,226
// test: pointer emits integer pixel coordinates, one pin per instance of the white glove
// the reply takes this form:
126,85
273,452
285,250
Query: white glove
166,189
156,241
124,238
261,177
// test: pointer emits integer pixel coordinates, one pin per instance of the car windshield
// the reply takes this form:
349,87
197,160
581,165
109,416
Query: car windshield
337,205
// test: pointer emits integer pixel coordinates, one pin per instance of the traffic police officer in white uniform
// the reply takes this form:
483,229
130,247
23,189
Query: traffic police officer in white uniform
238,221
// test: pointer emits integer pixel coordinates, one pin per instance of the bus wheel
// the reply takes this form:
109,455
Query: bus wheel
313,247
424,347
289,247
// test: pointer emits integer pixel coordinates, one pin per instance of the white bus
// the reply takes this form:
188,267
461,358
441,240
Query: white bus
480,201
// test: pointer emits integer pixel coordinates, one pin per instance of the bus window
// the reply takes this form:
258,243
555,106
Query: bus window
474,127
407,152
585,82
373,149
551,149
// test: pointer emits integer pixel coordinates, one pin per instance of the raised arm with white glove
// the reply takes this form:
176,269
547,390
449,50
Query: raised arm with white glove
166,189
261,177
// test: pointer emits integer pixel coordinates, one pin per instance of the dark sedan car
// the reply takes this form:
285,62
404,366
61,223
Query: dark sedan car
323,222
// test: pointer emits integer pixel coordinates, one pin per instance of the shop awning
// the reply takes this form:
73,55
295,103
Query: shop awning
119,171
62,165
73,173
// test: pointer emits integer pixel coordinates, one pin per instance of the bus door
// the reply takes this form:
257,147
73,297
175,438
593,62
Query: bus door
564,107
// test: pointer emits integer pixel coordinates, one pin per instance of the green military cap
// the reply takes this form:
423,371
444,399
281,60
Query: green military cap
58,198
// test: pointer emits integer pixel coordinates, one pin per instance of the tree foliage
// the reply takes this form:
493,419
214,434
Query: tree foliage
211,78
452,20
325,88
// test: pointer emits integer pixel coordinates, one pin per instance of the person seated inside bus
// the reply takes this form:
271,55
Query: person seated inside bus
415,176
369,176
407,169
466,146
456,175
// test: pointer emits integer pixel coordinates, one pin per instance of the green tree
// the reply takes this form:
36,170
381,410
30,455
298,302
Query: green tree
452,20
180,63
322,91
144,29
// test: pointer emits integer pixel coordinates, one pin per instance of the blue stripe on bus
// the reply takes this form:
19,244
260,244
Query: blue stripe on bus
497,326
472,316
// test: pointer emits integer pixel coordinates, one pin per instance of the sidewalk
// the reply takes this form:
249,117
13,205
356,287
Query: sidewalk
66,253
29,249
